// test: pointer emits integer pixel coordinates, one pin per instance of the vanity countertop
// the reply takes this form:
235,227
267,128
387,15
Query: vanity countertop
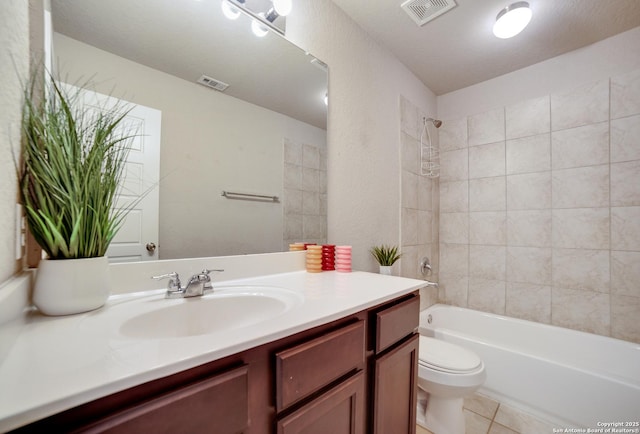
58,363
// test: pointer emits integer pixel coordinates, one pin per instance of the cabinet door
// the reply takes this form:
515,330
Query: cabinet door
338,411
395,389
217,404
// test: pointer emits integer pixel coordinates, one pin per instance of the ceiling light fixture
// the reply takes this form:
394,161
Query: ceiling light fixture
283,7
512,20
259,29
229,10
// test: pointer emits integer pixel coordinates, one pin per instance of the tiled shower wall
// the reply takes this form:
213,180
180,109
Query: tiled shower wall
418,230
540,209
305,193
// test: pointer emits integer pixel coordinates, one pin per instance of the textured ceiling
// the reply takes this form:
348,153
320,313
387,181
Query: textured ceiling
458,48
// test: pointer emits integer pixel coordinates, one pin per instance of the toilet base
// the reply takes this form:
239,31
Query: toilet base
441,415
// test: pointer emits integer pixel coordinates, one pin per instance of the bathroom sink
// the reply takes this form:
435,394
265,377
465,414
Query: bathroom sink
227,308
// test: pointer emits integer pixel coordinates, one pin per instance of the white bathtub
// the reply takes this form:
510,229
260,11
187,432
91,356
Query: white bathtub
563,376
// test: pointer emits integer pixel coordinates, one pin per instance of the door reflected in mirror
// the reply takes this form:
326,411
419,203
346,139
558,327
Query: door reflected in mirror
265,134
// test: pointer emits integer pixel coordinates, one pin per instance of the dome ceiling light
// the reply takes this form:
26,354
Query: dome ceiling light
512,20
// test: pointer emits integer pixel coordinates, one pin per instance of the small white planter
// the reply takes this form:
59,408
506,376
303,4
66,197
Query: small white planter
68,286
385,269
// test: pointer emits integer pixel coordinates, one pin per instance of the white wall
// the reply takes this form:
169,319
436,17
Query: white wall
609,57
14,69
365,84
210,142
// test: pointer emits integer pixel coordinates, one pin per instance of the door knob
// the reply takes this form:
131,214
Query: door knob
151,247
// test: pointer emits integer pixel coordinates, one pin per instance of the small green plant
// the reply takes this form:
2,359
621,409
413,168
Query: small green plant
73,158
385,255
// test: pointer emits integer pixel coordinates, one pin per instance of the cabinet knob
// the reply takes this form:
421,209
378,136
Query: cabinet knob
151,247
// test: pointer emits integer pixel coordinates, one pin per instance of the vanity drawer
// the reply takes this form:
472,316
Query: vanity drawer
396,322
217,404
308,367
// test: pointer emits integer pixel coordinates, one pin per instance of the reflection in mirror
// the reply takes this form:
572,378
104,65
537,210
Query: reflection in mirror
265,134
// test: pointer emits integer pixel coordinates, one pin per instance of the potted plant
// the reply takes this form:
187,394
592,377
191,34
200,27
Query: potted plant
386,256
73,157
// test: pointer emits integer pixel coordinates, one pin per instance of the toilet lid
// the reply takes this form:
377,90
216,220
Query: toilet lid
447,357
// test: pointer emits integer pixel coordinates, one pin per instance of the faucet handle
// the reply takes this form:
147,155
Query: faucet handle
174,280
204,277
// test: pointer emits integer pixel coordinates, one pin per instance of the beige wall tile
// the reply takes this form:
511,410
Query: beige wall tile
487,127
454,259
624,318
454,227
625,183
454,165
583,187
409,190
408,262
529,265
529,228
625,228
487,295
529,191
587,104
529,154
487,262
487,160
425,193
409,227
582,228
581,310
455,289
528,118
425,228
625,94
582,146
410,153
581,269
310,157
454,196
488,227
529,301
625,139
292,152
625,273
453,134
487,194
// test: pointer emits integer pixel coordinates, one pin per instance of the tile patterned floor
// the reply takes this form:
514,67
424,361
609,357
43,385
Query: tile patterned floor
484,415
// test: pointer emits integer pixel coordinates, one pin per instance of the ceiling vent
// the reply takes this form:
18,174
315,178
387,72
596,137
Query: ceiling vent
423,11
212,83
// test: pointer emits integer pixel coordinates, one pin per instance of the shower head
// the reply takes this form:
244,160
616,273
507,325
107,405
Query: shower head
436,122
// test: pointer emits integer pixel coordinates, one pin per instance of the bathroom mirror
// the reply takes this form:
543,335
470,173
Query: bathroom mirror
265,134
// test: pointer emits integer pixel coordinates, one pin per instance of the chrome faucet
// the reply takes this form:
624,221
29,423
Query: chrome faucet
198,284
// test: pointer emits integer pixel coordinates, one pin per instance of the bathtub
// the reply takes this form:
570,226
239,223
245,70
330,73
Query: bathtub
563,376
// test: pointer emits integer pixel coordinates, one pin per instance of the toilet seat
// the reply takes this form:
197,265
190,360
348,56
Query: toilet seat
446,357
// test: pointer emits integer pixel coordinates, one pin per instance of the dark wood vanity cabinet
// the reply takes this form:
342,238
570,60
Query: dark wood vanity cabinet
354,375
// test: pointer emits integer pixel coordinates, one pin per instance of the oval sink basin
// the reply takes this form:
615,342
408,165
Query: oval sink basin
227,308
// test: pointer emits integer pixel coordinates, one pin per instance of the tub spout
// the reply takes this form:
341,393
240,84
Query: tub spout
429,284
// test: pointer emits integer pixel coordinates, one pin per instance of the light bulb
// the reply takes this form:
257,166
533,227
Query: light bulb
282,7
326,99
229,10
512,20
258,28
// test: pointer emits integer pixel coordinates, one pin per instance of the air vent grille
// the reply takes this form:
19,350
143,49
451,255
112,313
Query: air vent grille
212,83
423,11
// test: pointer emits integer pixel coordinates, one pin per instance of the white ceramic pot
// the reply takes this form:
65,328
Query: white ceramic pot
68,286
385,269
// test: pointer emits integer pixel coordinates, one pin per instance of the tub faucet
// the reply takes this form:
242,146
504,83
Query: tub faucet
198,284
430,284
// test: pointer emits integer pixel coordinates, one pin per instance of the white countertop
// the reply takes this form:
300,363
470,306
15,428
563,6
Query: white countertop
57,363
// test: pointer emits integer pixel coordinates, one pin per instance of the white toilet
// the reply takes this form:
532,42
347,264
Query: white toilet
446,374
